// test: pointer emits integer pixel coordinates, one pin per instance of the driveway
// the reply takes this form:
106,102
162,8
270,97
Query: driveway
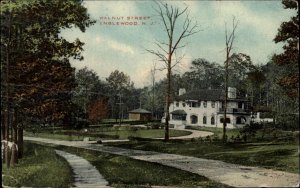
226,173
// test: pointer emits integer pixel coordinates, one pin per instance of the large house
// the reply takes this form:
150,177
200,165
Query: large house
206,108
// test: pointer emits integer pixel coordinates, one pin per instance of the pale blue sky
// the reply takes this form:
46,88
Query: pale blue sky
108,47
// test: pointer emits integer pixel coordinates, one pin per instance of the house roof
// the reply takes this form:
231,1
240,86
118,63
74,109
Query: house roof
206,95
140,111
179,112
203,94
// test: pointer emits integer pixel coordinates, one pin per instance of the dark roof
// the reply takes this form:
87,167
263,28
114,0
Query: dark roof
203,94
140,111
179,112
206,95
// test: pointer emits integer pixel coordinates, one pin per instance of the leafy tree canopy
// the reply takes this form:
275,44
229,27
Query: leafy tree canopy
36,58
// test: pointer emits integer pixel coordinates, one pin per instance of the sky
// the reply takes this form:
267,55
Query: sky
123,47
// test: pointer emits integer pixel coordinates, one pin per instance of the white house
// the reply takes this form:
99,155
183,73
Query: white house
256,118
205,108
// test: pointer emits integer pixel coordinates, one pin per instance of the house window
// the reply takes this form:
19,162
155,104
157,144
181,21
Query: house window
195,104
240,120
183,104
177,104
194,119
227,120
178,117
212,104
204,120
240,105
212,120
204,104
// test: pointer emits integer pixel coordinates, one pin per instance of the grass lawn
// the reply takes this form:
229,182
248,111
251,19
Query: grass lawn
122,171
112,133
275,155
40,167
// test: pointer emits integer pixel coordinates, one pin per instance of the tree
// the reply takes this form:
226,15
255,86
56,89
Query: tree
89,87
98,110
240,65
288,33
119,85
255,80
37,75
229,38
204,74
167,50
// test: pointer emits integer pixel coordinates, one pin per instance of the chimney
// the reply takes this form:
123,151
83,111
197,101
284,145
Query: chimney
181,91
231,92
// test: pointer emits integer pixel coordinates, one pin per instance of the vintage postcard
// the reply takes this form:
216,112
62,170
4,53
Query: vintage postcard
136,93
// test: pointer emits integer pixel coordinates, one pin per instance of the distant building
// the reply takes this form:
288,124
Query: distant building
206,108
140,114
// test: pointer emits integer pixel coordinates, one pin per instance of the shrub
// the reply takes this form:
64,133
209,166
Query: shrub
215,138
207,138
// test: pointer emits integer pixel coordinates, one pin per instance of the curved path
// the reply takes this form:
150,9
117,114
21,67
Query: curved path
226,173
195,134
85,175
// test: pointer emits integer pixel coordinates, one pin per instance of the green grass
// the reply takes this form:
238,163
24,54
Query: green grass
218,131
40,167
54,136
279,156
113,133
122,171
143,133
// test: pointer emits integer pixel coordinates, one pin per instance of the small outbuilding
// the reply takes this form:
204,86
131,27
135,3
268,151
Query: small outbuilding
140,114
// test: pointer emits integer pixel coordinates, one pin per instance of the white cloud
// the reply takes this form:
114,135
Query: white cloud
111,8
110,48
121,47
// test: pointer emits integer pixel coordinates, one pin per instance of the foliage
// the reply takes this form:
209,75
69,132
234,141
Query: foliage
88,88
288,33
203,74
36,58
98,110
249,131
119,86
240,67
288,121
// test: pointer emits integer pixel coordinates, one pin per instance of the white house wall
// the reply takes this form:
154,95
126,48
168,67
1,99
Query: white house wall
209,111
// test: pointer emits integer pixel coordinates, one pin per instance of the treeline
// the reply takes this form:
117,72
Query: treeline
115,96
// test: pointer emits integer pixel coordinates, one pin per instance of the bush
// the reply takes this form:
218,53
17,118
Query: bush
215,138
288,122
249,131
207,138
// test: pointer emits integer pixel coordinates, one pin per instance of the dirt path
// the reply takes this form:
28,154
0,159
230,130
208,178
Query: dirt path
85,175
195,134
226,173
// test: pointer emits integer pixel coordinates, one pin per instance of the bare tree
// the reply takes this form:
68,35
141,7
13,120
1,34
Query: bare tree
153,71
229,41
169,16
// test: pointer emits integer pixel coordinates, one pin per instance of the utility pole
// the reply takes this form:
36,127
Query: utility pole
120,108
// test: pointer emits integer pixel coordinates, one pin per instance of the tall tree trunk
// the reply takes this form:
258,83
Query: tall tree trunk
225,101
3,125
15,139
20,142
168,101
